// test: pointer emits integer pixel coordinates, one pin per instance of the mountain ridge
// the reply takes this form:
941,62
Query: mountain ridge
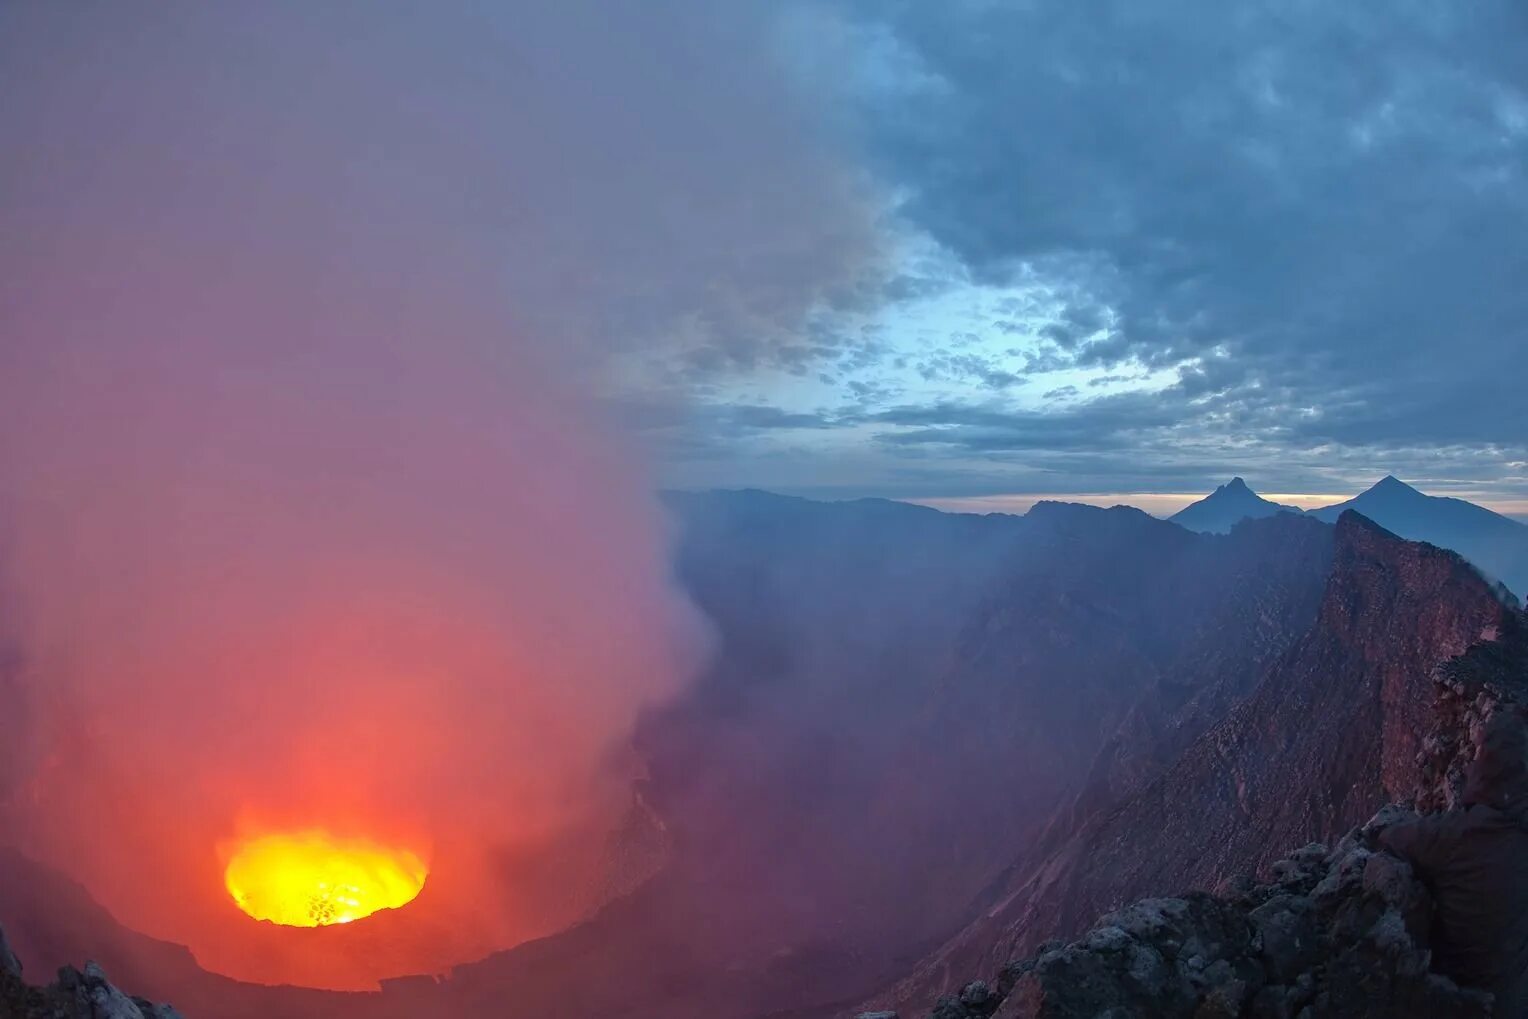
1339,723
1495,544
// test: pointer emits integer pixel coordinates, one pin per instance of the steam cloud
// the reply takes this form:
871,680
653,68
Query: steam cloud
310,512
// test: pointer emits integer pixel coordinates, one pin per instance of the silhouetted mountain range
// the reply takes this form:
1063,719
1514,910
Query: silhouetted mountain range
1496,544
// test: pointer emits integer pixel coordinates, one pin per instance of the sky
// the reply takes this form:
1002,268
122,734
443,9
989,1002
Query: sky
953,251
1125,248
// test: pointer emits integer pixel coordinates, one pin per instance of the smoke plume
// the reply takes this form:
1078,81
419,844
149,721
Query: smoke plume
309,511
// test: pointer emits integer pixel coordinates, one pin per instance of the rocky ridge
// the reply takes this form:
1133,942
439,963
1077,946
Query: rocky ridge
1338,729
75,994
1336,932
1339,932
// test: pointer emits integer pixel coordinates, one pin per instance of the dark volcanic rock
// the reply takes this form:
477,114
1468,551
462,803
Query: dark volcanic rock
50,917
9,964
74,995
1338,934
1490,677
1335,731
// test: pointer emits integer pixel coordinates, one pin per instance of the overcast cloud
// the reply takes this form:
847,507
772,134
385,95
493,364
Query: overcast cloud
1145,246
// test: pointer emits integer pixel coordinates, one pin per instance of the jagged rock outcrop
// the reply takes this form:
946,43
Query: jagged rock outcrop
9,965
75,994
1491,676
1351,719
1336,933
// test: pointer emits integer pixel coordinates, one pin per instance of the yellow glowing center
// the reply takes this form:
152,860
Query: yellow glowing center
309,879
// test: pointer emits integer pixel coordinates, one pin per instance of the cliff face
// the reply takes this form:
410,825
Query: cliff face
1491,676
1333,733
1335,934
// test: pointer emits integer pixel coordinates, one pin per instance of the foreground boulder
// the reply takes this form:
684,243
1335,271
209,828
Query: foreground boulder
1340,932
74,995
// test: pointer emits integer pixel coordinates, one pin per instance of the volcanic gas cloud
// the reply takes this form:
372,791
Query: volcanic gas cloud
327,588
301,542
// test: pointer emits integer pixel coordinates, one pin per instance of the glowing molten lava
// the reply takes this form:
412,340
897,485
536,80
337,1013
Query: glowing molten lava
309,879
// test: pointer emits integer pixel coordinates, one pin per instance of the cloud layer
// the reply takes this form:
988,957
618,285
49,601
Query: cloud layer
1280,237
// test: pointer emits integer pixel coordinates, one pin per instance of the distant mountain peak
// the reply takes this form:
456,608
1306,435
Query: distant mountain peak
1495,544
1223,508
1392,484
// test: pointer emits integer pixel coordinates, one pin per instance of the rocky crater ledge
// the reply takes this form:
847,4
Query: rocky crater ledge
1337,932
74,995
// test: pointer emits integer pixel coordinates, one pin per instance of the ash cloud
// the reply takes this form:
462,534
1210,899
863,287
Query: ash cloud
309,512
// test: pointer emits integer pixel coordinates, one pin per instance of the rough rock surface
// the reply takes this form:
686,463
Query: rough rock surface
74,995
1337,933
1492,676
1356,715
10,966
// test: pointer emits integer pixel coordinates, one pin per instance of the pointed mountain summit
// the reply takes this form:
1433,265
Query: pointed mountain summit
1388,492
1392,484
1223,508
1497,545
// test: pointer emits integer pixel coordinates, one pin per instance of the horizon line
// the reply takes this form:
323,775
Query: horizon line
1165,504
